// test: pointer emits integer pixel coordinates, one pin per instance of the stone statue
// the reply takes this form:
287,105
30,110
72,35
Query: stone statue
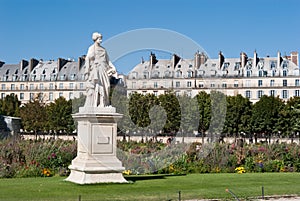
98,69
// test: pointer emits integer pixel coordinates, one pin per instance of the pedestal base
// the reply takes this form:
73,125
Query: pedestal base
79,177
96,160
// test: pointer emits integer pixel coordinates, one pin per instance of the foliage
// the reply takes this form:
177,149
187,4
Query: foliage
34,116
10,105
28,158
59,116
155,157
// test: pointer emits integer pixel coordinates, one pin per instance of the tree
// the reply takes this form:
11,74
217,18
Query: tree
238,115
34,116
59,115
218,113
77,103
204,106
265,115
10,105
171,105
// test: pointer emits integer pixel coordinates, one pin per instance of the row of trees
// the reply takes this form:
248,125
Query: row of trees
39,117
212,113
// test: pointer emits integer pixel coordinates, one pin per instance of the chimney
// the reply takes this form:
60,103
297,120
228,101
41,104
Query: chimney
60,63
279,59
175,60
32,63
243,59
197,60
1,63
23,64
203,58
153,60
295,57
255,59
81,61
221,59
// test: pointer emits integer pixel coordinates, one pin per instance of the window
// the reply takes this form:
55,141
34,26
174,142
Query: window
2,95
247,84
51,86
31,96
81,85
144,84
260,83
71,86
145,75
3,87
260,73
60,94
155,84
41,96
212,85
297,82
43,77
260,93
50,96
248,73
155,93
272,82
189,84
190,74
13,87
201,85
284,93
71,96
224,85
273,73
72,77
285,64
31,86
284,73
62,77
21,96
178,73
273,64
284,83
236,83
41,86
297,93
61,85
248,94
272,93
179,66
133,85
177,84
22,87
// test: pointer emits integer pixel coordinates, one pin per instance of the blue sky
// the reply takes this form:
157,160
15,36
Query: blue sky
49,29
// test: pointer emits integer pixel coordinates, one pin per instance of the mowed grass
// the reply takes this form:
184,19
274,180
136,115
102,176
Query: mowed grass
192,186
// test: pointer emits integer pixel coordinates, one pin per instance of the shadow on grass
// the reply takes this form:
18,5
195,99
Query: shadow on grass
134,178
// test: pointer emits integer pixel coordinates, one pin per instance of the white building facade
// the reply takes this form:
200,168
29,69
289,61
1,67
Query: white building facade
250,77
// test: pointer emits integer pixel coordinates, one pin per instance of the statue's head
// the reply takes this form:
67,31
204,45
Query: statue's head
96,36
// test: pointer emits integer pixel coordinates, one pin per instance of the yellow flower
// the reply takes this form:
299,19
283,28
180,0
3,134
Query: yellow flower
127,172
240,170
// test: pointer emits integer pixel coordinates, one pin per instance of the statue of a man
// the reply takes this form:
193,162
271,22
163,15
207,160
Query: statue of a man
98,69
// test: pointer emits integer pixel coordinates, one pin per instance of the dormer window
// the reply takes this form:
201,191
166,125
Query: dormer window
26,71
17,71
178,73
179,66
7,72
62,77
44,71
72,76
285,64
190,66
273,64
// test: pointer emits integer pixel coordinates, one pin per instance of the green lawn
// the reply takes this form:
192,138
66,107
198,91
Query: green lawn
193,186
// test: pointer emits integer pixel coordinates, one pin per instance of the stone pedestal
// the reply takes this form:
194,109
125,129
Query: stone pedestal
96,160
